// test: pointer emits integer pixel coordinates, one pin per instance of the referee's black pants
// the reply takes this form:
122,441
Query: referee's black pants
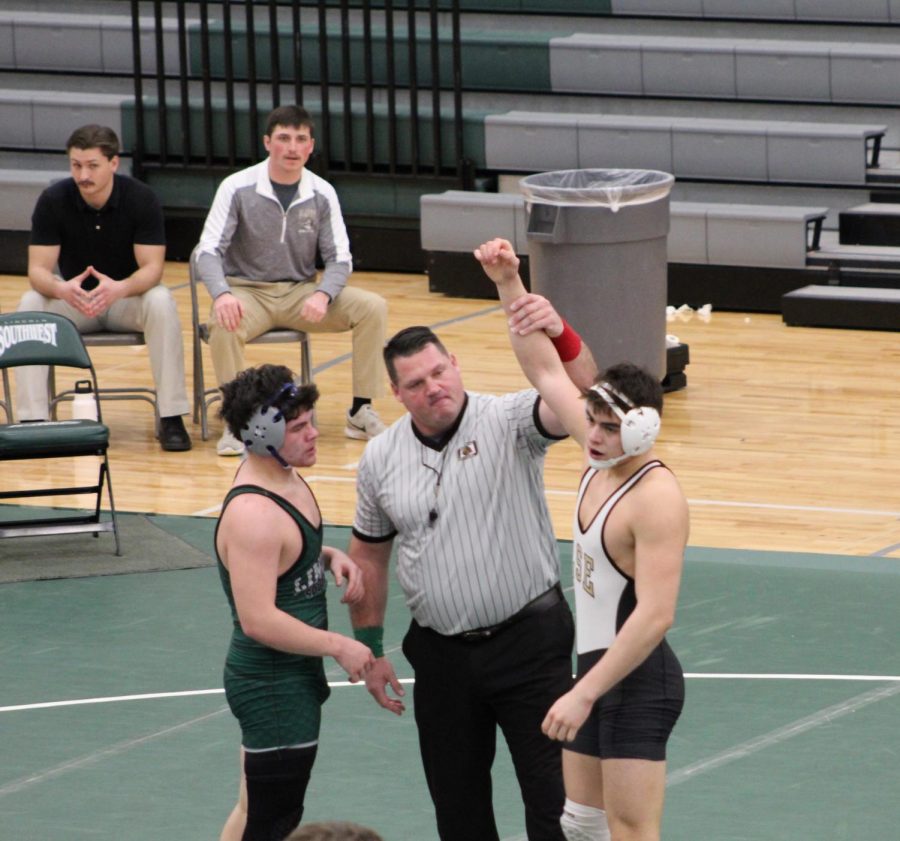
463,691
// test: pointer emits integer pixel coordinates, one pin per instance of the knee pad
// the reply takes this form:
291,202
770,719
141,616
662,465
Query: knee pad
583,823
276,788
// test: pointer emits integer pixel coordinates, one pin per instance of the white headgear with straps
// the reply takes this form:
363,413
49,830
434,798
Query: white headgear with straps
639,429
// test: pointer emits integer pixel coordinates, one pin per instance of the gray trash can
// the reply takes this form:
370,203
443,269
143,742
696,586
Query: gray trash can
597,251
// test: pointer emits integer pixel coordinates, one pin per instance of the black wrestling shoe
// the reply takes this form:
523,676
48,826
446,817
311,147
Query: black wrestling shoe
172,434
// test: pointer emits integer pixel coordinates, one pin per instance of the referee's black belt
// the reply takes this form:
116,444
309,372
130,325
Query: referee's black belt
537,605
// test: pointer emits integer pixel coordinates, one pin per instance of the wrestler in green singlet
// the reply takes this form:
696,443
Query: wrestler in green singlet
277,697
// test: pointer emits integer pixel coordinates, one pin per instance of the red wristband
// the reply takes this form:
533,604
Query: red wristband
567,343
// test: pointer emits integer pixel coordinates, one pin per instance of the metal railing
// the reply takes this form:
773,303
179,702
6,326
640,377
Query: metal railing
382,80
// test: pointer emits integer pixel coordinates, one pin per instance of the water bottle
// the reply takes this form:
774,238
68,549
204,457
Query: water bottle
84,404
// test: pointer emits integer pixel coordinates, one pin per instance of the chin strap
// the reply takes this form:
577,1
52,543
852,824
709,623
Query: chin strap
277,456
606,463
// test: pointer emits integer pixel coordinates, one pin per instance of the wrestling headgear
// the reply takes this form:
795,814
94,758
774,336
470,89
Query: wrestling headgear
639,429
264,432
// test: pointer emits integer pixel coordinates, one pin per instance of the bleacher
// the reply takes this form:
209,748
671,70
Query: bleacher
780,121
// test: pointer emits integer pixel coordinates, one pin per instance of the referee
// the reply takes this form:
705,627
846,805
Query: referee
457,482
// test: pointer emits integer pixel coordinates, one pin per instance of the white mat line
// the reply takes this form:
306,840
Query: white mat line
112,699
150,696
779,735
90,758
775,737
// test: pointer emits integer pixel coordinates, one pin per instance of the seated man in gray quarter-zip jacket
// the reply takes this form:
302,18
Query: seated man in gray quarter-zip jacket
257,258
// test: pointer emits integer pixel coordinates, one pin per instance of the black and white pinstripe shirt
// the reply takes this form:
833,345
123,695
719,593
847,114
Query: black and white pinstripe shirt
474,538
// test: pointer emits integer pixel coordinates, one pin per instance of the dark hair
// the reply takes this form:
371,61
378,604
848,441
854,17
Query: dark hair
94,137
254,386
333,831
636,383
408,341
292,116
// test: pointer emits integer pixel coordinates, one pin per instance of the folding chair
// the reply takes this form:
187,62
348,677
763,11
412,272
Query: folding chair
39,338
101,340
205,397
6,402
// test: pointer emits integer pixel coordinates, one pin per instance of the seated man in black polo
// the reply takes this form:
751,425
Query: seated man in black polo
96,256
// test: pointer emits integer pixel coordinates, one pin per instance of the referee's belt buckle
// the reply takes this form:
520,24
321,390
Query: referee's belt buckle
479,634
543,602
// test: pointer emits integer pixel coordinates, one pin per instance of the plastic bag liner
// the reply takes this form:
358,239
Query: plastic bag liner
610,188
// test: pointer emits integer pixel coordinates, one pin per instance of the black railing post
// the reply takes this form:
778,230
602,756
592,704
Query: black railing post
184,87
368,82
228,56
404,147
205,75
297,51
324,143
463,165
137,160
274,54
413,88
435,55
161,103
391,82
347,85
253,100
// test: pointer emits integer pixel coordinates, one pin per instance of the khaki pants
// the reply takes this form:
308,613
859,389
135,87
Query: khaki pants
154,314
276,304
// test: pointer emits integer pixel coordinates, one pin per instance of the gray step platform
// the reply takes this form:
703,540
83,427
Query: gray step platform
700,233
834,255
44,119
20,189
873,223
762,236
842,306
85,43
460,220
776,69
726,68
845,11
733,150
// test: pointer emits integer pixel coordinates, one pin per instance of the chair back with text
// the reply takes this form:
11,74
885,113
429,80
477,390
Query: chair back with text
39,338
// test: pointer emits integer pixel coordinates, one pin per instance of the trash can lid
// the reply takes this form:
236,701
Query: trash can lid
610,188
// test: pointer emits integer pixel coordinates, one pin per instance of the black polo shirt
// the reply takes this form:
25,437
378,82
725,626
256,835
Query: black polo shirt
102,238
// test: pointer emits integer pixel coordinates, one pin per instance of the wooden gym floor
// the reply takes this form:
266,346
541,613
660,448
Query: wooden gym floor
785,438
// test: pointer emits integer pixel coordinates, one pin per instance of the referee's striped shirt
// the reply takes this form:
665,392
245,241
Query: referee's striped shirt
490,549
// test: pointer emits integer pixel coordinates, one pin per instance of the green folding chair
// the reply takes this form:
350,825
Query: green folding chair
39,338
